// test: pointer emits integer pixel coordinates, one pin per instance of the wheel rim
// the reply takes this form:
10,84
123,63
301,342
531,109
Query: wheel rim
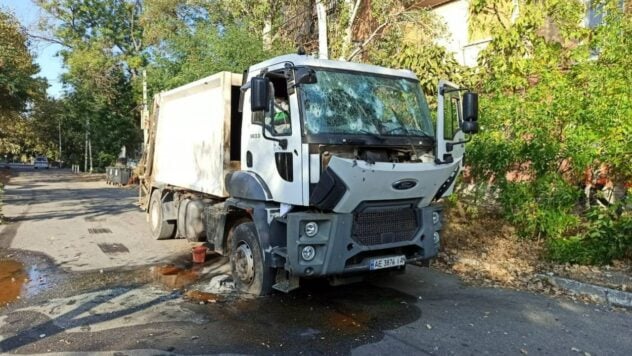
244,263
155,215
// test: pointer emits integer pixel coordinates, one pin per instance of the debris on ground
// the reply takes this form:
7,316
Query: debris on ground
490,253
617,276
220,284
203,297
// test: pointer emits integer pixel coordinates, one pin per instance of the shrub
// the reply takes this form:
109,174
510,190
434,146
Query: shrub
607,236
553,105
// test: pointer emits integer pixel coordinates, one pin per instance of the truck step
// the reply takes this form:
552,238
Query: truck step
285,282
281,251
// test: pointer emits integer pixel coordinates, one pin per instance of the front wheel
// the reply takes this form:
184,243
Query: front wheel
246,261
161,229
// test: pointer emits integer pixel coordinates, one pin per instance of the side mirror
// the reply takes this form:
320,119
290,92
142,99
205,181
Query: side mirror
470,113
304,75
259,93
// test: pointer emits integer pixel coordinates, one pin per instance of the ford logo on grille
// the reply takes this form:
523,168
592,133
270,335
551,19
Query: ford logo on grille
405,184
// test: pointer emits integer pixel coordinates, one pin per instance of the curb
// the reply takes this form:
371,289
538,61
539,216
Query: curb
602,294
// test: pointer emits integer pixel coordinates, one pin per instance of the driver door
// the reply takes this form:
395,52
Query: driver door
274,143
450,137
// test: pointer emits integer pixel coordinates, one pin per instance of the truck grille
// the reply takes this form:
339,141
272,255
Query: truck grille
383,227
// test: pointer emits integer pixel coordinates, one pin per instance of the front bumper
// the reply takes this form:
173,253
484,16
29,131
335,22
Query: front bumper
346,243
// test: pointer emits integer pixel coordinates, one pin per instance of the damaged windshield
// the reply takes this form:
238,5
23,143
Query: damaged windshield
364,104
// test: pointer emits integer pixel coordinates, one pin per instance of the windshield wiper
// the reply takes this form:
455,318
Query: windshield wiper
409,131
418,132
372,134
402,128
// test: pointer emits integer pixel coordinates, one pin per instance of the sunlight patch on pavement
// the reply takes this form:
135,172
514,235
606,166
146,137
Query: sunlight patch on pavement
116,308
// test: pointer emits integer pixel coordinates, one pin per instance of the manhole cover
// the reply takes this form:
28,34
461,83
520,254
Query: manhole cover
99,230
113,248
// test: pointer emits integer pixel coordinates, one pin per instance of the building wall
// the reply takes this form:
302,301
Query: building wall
455,16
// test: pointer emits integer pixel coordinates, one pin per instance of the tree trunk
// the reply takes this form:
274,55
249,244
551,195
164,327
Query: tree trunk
267,33
353,7
323,48
85,156
90,153
59,159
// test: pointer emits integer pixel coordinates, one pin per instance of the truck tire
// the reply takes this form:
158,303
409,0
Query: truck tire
160,228
246,261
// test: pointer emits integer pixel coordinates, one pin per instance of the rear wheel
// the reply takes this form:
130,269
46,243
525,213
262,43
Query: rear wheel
246,261
161,229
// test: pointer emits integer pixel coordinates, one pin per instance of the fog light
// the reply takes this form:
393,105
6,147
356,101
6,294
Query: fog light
311,229
435,217
308,253
436,237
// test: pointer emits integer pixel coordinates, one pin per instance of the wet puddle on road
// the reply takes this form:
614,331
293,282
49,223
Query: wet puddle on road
319,318
12,279
201,283
174,277
316,317
18,280
316,313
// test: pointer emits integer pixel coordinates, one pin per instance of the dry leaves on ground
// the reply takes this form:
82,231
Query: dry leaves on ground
487,251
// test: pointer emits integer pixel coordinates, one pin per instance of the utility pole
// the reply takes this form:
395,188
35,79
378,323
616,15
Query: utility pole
323,47
59,127
85,156
90,150
144,116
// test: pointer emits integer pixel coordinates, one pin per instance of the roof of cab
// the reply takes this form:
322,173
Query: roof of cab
304,60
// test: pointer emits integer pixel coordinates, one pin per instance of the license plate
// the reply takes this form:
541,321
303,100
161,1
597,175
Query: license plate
387,262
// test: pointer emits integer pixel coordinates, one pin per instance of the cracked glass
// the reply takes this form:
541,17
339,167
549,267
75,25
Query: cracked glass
355,103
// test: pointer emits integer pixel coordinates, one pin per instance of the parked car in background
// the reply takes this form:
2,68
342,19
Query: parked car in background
40,162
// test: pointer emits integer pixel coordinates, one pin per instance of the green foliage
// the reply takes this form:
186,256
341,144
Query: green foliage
196,39
202,51
556,101
18,84
104,53
543,207
17,67
429,61
105,159
608,236
399,34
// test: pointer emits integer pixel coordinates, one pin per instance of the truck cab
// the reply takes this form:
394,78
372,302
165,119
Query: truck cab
345,178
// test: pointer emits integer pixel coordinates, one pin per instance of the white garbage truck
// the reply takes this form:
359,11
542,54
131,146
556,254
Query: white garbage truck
305,168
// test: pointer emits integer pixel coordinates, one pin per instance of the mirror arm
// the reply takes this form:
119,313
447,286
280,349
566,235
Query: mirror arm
282,142
450,145
451,90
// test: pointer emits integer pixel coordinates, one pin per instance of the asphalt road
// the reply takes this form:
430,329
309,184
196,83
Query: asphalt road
81,291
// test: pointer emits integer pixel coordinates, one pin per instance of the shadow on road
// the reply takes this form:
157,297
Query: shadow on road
68,192
70,320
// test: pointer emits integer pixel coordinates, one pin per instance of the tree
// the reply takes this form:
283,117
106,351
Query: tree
400,34
190,40
556,102
18,84
105,55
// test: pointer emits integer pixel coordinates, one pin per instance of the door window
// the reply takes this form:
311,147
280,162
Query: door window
451,114
277,118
